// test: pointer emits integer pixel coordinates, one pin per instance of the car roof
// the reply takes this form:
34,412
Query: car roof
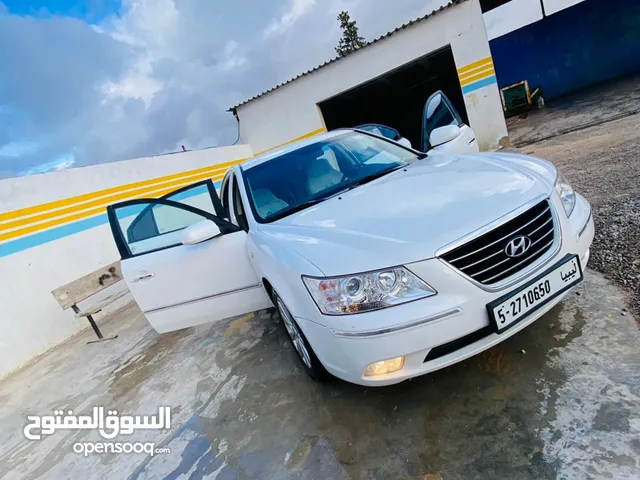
265,157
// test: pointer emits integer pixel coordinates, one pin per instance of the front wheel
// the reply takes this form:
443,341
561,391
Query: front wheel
307,356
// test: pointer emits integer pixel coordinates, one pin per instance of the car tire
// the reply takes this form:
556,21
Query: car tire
299,342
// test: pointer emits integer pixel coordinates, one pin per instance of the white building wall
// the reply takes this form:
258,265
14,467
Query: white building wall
554,6
291,112
34,264
516,14
512,16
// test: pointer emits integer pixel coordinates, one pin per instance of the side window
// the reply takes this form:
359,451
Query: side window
238,208
161,228
198,195
438,112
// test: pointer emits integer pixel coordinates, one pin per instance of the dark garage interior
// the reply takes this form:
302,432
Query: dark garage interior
397,98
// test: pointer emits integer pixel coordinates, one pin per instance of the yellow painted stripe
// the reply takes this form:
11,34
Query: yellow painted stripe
51,214
471,66
78,216
113,198
475,71
306,135
89,196
478,76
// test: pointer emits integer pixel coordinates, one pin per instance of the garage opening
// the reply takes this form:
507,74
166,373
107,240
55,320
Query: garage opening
397,98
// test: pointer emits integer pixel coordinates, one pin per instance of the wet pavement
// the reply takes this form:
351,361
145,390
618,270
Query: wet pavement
558,400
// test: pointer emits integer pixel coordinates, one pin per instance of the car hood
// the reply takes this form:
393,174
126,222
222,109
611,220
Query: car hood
408,215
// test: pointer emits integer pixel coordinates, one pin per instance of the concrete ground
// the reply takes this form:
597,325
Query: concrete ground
558,400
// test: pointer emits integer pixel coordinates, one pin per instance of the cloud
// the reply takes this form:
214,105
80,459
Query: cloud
297,9
231,59
157,74
61,163
50,84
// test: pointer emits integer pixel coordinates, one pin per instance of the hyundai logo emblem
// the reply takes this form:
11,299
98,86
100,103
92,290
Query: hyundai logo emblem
517,246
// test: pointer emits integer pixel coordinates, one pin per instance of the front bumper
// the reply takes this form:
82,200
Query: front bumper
346,345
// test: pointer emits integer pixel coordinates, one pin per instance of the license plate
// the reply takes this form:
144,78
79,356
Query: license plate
515,306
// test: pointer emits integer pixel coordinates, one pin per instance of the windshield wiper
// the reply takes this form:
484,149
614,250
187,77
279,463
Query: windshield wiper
372,177
297,208
314,201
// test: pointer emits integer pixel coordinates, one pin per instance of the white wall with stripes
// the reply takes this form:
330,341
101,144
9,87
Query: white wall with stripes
58,249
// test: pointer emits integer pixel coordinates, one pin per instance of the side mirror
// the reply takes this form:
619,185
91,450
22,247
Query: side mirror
404,142
199,232
444,134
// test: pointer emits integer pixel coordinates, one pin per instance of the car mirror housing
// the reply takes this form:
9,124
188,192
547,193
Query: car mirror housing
444,134
404,142
200,232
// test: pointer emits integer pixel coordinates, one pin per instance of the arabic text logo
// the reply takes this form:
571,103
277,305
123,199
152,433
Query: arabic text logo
109,426
517,246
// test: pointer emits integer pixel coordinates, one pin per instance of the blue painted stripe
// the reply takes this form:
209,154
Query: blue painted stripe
47,236
479,84
62,231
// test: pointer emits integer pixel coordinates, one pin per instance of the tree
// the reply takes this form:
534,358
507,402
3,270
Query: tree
350,40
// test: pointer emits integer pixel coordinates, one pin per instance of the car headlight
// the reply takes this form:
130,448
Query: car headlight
567,195
366,291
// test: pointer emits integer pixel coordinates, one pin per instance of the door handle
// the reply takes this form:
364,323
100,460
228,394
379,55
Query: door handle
145,276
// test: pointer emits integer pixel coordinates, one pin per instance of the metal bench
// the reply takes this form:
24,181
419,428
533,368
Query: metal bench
81,289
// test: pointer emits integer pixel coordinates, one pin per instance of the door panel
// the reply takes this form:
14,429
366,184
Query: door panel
195,284
176,285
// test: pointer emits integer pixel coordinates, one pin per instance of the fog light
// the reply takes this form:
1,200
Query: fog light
384,366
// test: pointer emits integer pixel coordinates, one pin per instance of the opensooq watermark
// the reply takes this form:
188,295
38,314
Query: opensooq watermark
109,426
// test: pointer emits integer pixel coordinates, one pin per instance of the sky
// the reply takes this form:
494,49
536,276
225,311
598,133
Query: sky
84,82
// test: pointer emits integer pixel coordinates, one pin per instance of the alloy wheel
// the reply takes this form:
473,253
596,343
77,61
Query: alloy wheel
294,333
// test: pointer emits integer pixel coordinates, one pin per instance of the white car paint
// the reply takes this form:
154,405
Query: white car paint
408,217
178,294
464,142
404,228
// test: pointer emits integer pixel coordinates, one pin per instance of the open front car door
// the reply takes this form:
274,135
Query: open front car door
443,130
183,262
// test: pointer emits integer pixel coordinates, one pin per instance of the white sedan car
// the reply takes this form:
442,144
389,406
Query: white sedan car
384,263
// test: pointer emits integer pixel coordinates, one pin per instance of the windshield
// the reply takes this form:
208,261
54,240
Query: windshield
299,179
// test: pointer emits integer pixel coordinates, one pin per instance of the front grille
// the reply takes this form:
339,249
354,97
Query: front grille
484,258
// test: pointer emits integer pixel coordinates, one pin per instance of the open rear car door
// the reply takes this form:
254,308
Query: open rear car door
183,262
